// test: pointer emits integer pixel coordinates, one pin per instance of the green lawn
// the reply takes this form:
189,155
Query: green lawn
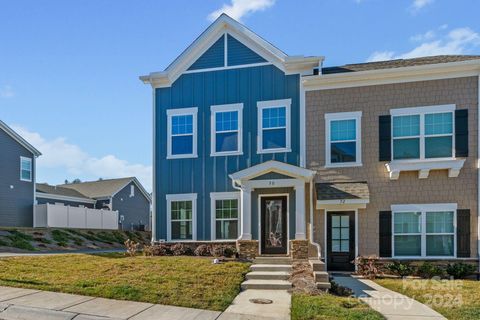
181,281
330,307
454,300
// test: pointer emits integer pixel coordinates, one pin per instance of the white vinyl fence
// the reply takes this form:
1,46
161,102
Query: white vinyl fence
59,216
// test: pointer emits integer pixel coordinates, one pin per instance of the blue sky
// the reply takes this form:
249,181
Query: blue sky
69,69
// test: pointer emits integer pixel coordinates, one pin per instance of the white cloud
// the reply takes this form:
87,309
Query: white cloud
6,91
423,36
457,41
64,156
420,4
237,9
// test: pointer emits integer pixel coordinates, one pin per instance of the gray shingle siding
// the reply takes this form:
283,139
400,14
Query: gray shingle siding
16,204
136,209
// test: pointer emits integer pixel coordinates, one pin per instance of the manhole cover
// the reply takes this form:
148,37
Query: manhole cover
261,301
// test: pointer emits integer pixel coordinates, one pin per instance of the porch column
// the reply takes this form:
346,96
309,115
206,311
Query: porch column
300,225
246,220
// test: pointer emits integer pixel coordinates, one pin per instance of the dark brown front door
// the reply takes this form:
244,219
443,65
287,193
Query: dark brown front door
274,225
340,241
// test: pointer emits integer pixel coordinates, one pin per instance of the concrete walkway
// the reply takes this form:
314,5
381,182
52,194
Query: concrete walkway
391,304
27,304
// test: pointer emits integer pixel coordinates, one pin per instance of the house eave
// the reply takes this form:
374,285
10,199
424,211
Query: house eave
392,75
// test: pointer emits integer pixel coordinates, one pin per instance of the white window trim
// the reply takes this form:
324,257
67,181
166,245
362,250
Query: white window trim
273,104
421,111
423,208
214,196
329,117
181,112
213,132
182,197
31,171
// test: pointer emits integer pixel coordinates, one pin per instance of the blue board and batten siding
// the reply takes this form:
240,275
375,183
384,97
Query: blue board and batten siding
206,174
16,196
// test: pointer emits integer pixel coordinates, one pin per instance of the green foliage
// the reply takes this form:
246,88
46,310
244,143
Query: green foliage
429,270
3,243
460,270
61,236
42,240
400,268
20,240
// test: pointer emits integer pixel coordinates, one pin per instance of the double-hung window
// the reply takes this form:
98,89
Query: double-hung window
181,216
225,208
182,133
343,135
423,133
274,126
424,230
25,169
226,129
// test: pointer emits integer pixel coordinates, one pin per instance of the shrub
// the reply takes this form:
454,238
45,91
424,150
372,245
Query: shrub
42,240
400,268
460,270
20,240
3,243
60,236
132,247
229,251
156,250
429,270
217,251
20,235
367,266
178,249
202,250
340,291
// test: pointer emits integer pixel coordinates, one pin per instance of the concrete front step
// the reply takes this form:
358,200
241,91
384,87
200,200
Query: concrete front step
317,265
271,267
268,275
266,284
320,276
323,285
272,260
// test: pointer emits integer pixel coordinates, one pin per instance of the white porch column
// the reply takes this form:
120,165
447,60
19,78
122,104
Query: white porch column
246,218
300,225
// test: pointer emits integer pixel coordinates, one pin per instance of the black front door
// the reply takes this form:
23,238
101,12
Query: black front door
341,241
274,225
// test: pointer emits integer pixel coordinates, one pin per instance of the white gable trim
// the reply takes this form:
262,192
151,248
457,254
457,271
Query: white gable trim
15,136
223,25
273,166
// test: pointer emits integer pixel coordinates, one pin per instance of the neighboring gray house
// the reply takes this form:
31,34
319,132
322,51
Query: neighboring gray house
126,195
17,179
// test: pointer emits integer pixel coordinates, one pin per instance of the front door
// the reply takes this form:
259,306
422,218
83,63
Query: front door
340,241
274,225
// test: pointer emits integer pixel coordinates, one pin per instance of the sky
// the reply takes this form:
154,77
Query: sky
69,69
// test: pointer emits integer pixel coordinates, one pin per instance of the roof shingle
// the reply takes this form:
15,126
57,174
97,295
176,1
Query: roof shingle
342,191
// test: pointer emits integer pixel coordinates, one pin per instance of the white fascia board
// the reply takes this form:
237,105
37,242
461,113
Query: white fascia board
224,24
64,198
392,75
273,166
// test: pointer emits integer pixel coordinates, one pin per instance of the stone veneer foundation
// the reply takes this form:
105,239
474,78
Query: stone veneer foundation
247,249
299,249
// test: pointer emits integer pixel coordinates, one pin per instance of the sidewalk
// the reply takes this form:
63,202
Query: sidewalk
391,304
27,304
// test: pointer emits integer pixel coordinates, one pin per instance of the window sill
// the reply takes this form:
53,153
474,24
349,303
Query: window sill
274,151
224,154
423,167
423,258
343,165
25,180
182,156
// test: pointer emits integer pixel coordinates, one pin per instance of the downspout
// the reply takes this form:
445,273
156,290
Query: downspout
234,186
312,202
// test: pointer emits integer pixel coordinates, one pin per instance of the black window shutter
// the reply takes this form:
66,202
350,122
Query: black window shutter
461,133
385,234
463,233
385,137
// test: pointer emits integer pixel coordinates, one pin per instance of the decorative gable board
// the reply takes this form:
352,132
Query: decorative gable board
272,176
240,54
214,57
